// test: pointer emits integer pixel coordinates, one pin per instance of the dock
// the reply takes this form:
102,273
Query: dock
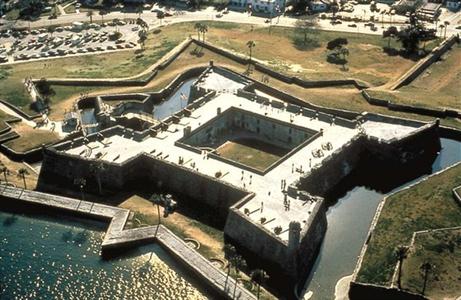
117,236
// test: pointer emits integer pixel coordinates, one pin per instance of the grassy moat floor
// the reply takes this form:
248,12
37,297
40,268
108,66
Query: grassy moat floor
428,205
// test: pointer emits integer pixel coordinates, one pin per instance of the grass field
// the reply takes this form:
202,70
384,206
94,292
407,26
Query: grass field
340,97
428,205
442,249
367,62
250,153
30,138
439,86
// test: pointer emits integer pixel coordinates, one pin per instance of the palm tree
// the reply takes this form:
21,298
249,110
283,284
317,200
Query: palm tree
239,263
22,174
142,34
251,45
81,182
436,22
401,253
198,27
51,29
204,30
425,268
446,23
5,171
97,168
102,13
139,10
169,205
229,252
345,53
157,201
160,16
90,15
258,276
441,26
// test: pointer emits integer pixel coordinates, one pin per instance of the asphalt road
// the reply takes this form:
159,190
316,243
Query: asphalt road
235,17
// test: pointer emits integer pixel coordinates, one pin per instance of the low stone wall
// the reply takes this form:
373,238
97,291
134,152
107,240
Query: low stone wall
440,113
123,82
422,65
294,100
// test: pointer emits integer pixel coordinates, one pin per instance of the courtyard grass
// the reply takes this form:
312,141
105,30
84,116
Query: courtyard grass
254,157
441,249
427,205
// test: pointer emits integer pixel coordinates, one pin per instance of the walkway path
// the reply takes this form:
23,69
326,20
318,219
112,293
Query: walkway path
117,236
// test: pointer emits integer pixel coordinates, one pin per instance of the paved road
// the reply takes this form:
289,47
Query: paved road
210,14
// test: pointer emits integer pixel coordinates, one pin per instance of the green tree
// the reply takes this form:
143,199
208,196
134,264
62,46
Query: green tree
446,23
81,182
238,263
425,268
22,172
97,168
401,253
5,172
139,10
251,45
142,34
391,32
51,29
306,27
203,30
198,27
90,14
102,13
259,277
45,90
230,252
30,8
160,16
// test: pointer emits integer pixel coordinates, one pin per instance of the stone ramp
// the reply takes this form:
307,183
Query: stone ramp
116,236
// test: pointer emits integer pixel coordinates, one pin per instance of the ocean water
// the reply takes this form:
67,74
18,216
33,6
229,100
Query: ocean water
60,258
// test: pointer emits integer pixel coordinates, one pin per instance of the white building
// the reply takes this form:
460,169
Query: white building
269,7
453,4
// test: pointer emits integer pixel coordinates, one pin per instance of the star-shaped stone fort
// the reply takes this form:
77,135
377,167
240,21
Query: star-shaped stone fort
260,163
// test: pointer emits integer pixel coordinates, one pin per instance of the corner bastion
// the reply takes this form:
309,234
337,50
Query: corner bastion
210,151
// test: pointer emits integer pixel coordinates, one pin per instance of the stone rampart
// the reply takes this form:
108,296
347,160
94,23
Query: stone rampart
63,168
422,65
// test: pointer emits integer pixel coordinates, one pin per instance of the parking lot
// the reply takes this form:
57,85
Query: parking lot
77,38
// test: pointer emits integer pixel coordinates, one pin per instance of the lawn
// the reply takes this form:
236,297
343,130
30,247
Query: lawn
337,97
427,205
365,55
439,86
250,153
30,138
442,249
